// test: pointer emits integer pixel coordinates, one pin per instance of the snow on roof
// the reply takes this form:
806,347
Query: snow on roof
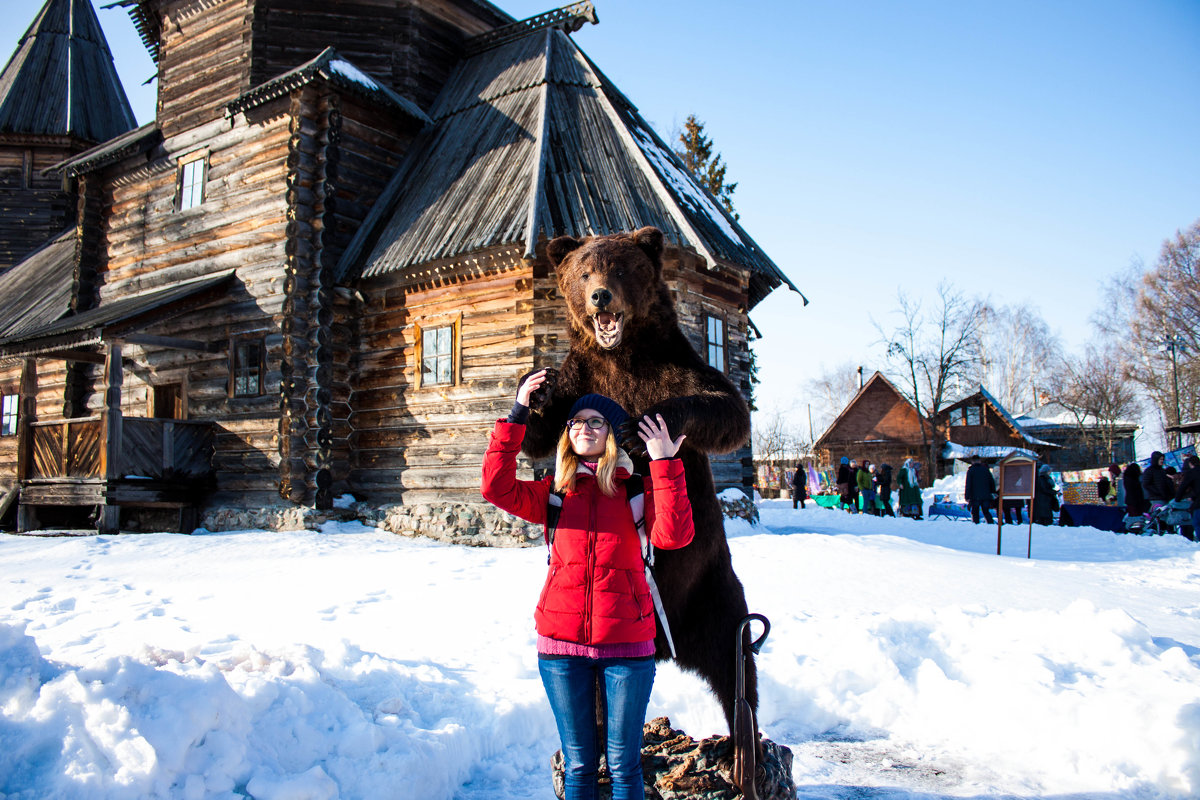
683,184
964,452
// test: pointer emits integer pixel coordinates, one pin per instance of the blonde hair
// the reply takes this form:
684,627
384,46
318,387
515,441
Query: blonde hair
567,462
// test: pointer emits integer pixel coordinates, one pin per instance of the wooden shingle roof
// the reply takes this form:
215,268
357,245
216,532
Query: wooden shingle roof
61,80
37,291
530,140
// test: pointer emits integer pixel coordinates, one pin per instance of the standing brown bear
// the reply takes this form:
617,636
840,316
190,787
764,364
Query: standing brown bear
626,344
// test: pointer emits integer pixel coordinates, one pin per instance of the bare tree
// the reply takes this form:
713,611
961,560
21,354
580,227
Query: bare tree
831,392
1018,355
776,437
934,353
1152,316
1093,388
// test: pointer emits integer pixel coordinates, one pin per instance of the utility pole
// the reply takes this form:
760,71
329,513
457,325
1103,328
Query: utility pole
1174,343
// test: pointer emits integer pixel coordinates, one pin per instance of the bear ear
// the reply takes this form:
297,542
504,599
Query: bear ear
651,241
558,248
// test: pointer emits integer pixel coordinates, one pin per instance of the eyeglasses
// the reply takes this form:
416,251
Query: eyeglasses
595,423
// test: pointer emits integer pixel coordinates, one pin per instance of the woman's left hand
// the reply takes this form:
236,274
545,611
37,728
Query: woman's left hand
658,441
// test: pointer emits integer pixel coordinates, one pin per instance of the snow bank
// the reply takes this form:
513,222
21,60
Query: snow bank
350,663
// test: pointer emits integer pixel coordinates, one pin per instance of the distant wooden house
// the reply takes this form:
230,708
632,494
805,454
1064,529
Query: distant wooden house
1082,442
321,267
978,425
878,424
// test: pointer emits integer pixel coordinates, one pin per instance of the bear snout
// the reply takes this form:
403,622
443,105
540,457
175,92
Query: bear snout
601,298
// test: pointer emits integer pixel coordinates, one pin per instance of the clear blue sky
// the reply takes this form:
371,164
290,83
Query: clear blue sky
1024,150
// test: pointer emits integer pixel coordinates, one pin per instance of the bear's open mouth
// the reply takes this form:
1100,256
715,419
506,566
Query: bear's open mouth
608,329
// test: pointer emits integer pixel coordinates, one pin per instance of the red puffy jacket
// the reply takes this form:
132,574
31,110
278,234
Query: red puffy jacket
595,591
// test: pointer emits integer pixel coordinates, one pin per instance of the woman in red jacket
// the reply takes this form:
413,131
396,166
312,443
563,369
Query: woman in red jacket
595,617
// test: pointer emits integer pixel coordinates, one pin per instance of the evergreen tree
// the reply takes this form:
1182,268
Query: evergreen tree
696,151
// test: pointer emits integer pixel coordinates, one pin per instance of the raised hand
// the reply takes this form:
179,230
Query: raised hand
530,384
659,444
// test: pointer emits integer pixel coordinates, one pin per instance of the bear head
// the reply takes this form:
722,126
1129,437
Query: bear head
613,285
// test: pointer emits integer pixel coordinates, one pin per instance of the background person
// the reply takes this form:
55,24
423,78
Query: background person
1156,483
866,487
1045,497
799,486
1135,498
980,490
1189,488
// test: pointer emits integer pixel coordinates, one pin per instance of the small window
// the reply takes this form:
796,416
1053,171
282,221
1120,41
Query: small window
8,414
246,368
437,355
972,415
191,182
715,338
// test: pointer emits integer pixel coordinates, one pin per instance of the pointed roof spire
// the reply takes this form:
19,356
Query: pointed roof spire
529,141
61,80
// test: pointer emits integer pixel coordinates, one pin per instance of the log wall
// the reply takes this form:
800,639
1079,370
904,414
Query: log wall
426,444
213,51
204,61
412,46
33,207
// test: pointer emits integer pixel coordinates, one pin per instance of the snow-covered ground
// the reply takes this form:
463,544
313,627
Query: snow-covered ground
906,660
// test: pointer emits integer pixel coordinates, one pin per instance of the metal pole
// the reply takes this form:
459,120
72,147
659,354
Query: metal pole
1173,343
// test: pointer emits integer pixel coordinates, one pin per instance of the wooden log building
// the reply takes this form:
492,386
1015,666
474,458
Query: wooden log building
320,270
882,425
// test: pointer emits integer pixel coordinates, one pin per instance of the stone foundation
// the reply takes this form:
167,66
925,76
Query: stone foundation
478,525
474,524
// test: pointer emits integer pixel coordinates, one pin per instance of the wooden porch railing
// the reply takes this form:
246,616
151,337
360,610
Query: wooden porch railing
159,449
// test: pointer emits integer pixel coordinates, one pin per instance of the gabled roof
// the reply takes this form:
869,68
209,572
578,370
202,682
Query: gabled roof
1054,415
37,291
338,71
1002,412
531,140
875,382
61,80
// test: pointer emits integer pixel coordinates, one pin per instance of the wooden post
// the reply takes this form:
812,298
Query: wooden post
26,416
109,521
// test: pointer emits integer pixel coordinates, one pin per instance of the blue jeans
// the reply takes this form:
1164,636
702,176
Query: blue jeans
570,684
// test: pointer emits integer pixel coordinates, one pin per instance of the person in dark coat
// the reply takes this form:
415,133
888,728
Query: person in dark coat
1045,497
854,485
980,491
884,483
1156,483
844,481
799,486
1135,498
1189,488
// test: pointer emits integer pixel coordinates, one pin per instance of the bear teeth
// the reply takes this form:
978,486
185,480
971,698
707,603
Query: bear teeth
608,329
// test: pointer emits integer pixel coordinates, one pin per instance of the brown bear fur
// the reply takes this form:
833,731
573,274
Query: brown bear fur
653,369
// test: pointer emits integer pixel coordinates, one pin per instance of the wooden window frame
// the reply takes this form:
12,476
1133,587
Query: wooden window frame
710,344
166,380
182,186
234,365
10,408
454,322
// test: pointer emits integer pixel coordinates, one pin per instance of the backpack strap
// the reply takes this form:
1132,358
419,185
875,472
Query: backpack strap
635,491
554,503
